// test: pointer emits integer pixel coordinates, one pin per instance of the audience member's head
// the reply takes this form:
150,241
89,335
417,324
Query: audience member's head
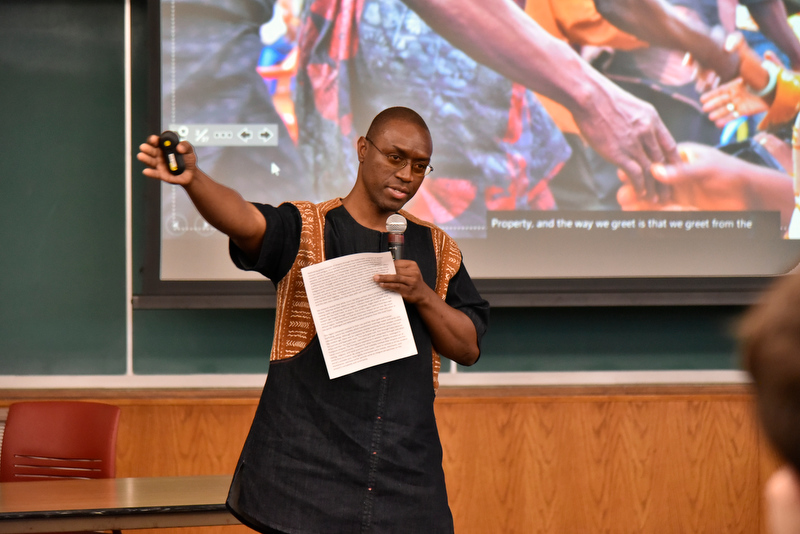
770,342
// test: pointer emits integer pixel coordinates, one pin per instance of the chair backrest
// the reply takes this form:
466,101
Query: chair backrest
59,439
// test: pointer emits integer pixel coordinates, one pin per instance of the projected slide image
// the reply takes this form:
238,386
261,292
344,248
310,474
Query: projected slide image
274,95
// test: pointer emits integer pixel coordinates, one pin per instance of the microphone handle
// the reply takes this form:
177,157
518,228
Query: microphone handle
396,242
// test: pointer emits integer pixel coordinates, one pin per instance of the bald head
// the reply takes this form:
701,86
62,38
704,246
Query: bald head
407,115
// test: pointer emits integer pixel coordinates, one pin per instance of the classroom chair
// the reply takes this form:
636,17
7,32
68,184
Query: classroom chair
49,440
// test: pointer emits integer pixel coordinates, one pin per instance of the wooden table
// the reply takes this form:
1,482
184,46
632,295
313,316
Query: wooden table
114,504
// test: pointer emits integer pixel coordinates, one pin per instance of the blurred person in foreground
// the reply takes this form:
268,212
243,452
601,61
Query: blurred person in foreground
770,343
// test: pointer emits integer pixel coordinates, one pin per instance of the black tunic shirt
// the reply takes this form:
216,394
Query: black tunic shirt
359,453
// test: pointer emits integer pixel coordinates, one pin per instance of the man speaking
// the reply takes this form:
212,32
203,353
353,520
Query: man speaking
359,453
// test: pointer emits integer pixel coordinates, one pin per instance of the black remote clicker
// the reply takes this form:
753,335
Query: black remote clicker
168,142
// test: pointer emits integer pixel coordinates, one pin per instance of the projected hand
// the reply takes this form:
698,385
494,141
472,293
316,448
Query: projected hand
734,99
708,179
720,67
730,101
629,133
751,69
150,155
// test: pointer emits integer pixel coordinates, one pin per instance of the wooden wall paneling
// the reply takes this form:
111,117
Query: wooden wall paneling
601,465
168,437
517,460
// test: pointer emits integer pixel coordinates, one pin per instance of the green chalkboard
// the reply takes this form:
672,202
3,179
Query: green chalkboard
610,339
202,341
519,339
62,201
62,231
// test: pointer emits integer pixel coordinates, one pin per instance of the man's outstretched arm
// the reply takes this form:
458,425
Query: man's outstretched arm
222,207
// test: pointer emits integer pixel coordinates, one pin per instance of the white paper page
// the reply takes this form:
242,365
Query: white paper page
359,324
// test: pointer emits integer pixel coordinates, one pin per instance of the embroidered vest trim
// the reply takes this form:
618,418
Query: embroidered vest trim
294,326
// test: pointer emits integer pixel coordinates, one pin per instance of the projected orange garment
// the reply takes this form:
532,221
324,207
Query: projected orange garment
577,22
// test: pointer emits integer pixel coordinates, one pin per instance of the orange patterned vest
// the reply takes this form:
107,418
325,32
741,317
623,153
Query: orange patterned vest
294,326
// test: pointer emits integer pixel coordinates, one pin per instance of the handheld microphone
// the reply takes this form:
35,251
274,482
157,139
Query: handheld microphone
396,225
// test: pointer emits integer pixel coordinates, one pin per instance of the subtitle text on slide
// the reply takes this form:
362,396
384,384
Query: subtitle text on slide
711,224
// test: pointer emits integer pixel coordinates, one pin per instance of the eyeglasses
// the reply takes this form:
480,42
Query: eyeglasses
418,168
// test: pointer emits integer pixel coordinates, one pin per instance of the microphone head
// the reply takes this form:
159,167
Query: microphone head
396,224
